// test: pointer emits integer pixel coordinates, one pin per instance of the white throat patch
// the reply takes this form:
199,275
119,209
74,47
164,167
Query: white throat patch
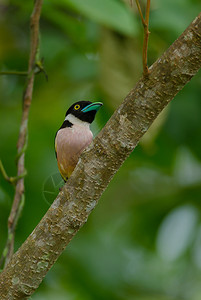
75,121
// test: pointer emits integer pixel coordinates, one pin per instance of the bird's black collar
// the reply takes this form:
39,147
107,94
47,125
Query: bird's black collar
65,124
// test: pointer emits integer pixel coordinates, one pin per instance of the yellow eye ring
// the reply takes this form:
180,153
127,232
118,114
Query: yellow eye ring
77,106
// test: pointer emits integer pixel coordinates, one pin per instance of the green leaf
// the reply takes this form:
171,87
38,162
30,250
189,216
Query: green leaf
111,13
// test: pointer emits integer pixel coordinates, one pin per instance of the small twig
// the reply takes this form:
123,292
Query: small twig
19,73
10,179
146,38
145,23
3,172
38,68
22,150
35,66
140,12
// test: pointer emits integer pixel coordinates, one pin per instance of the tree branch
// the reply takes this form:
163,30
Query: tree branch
99,162
22,140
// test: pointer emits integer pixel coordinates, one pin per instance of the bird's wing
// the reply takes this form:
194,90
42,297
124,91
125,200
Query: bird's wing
55,147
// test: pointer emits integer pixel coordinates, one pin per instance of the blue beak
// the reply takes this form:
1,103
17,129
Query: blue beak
93,106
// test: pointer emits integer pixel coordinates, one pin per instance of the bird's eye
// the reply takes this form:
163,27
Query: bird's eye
77,106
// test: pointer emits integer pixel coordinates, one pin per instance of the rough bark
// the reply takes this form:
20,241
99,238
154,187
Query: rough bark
97,165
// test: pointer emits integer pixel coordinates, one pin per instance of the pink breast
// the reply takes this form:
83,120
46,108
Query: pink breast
70,144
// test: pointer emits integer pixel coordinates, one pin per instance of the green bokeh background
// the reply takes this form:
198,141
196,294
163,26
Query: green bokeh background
143,240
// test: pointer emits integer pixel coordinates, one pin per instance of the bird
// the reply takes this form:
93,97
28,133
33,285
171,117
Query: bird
74,135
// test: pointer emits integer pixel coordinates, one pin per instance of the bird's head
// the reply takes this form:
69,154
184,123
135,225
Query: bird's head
84,111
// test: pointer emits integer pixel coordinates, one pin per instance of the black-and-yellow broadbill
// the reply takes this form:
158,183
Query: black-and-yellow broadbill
74,135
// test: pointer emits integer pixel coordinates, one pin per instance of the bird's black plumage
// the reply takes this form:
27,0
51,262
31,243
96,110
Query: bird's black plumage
83,116
65,124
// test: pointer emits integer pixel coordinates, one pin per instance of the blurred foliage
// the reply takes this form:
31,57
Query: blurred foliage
143,241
